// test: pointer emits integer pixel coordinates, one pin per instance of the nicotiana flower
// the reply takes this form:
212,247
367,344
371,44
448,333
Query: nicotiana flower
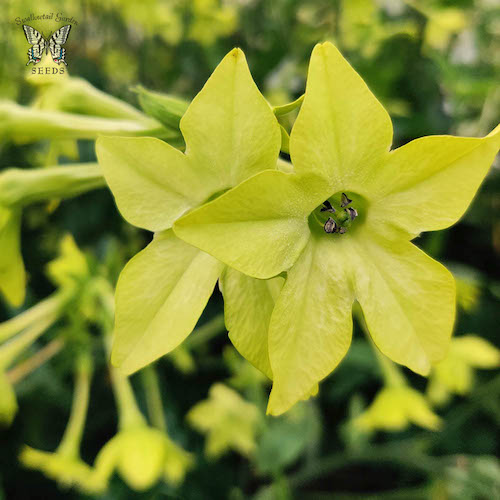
455,374
229,421
65,465
394,408
140,453
341,225
231,134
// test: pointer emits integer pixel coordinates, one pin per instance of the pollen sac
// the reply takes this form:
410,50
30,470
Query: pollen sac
341,230
330,226
344,201
327,207
352,212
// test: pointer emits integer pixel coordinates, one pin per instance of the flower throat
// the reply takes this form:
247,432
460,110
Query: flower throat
336,217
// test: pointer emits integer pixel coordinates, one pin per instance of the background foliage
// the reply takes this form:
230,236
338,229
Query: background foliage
435,65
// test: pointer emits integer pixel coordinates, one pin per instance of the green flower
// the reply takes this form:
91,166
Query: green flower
341,226
455,374
65,465
395,408
229,421
231,134
141,454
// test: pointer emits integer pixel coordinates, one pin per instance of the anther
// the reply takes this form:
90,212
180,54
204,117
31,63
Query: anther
352,212
344,201
330,226
327,207
342,230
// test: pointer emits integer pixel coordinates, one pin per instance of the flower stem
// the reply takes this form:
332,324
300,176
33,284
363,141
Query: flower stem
70,443
205,332
20,371
22,187
46,308
14,347
153,397
128,410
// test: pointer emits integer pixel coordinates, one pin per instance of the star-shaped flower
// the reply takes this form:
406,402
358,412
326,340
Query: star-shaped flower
340,226
231,134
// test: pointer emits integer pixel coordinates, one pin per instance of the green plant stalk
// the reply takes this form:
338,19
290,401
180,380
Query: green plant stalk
129,413
153,397
14,347
72,438
22,187
76,95
24,125
44,309
23,369
205,332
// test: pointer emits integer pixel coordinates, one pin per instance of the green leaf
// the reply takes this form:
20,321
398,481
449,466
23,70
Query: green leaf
248,305
12,273
160,295
342,132
311,325
165,108
408,300
260,227
429,183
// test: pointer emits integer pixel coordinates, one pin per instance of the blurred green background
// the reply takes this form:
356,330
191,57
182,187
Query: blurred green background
435,65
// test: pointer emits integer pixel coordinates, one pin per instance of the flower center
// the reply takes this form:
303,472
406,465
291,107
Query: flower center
337,214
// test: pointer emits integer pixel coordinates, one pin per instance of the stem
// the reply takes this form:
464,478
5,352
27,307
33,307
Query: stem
70,444
205,332
10,350
28,124
153,397
20,371
46,308
22,187
129,413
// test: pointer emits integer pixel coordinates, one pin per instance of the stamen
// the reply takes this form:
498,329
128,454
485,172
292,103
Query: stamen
344,200
328,207
342,230
330,226
352,212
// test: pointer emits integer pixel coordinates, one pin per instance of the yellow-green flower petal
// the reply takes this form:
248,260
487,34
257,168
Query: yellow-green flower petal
230,130
260,227
152,182
229,421
429,183
231,133
67,471
137,454
395,408
160,295
311,326
12,273
408,300
475,351
342,131
248,305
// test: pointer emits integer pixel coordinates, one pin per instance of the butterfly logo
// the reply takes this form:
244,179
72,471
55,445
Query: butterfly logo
40,44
